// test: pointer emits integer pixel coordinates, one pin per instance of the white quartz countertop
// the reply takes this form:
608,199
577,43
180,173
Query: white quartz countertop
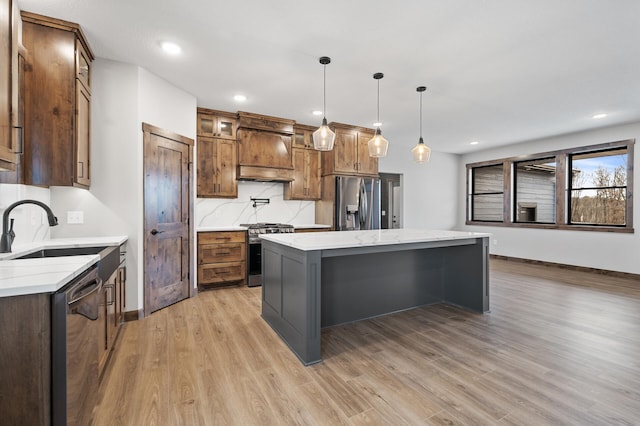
244,228
47,275
378,237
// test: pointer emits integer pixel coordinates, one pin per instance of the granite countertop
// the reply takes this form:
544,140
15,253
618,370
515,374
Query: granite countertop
47,275
348,239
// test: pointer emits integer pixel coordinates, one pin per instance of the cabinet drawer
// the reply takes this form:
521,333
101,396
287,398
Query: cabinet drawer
215,253
221,272
221,237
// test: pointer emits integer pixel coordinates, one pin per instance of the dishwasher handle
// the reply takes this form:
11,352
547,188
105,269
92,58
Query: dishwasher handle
82,297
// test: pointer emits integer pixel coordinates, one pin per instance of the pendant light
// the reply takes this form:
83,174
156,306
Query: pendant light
378,144
421,152
324,137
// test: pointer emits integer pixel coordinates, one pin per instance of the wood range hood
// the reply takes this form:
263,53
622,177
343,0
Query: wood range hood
264,148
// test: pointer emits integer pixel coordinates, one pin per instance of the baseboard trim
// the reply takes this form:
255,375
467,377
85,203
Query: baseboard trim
607,272
133,315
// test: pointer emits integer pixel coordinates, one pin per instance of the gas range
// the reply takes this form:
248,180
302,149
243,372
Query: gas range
255,229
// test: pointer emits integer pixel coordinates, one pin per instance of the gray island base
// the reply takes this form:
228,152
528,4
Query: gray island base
316,280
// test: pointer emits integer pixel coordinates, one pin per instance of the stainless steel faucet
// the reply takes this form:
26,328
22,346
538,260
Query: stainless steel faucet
7,231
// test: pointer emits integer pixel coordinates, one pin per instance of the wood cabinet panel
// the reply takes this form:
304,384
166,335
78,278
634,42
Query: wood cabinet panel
222,258
210,253
25,360
350,153
306,184
221,237
7,156
216,168
57,99
221,273
216,124
82,151
264,149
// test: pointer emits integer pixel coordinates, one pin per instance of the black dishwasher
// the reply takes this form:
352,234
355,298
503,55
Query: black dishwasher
74,349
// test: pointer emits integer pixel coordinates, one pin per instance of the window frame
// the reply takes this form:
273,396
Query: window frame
563,186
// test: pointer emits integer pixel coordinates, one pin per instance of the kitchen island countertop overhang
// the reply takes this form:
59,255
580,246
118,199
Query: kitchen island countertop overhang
323,279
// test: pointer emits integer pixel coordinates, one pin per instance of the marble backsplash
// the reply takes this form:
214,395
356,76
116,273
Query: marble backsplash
211,212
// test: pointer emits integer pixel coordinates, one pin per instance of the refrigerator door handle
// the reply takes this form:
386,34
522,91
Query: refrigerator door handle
364,206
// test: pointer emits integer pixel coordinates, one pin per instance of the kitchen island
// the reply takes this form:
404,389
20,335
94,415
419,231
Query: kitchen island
324,279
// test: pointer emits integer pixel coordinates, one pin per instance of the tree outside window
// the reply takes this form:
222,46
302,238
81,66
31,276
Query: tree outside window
599,188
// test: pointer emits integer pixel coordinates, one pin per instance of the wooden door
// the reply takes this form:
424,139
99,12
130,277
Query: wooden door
367,165
167,211
346,151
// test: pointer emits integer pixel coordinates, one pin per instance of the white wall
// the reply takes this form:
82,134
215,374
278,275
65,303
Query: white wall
123,97
602,250
430,190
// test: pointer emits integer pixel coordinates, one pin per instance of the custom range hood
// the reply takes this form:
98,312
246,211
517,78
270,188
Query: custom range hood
264,148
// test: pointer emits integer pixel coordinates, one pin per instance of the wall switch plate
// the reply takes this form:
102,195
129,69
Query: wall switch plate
75,217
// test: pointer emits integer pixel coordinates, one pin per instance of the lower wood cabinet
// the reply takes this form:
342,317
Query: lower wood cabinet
111,314
222,258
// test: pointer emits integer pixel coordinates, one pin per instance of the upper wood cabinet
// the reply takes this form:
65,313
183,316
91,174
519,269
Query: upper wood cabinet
264,147
216,168
217,154
216,124
303,136
350,154
306,183
8,62
57,102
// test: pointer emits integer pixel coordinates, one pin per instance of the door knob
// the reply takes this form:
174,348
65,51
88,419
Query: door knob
155,231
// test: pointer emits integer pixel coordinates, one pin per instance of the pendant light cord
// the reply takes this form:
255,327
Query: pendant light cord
420,115
324,92
378,102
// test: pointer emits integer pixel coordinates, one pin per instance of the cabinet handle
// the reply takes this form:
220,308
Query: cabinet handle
84,70
223,253
111,292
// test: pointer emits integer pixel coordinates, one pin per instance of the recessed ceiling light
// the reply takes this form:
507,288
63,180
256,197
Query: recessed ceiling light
170,48
240,98
377,124
601,115
474,143
316,112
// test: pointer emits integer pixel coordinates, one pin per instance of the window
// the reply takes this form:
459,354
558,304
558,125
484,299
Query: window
598,188
586,188
535,190
487,195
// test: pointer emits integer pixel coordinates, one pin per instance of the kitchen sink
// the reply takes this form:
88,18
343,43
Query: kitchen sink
109,256
59,252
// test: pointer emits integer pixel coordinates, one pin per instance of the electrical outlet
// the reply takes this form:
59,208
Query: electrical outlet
75,217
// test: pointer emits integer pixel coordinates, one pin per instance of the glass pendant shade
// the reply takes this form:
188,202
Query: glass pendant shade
323,137
421,153
378,145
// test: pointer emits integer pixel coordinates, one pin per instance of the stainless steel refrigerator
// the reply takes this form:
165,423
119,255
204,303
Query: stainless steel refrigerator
357,203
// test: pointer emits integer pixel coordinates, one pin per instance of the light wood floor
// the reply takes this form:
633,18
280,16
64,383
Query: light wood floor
559,347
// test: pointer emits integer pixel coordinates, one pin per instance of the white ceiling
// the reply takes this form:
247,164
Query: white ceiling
496,71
